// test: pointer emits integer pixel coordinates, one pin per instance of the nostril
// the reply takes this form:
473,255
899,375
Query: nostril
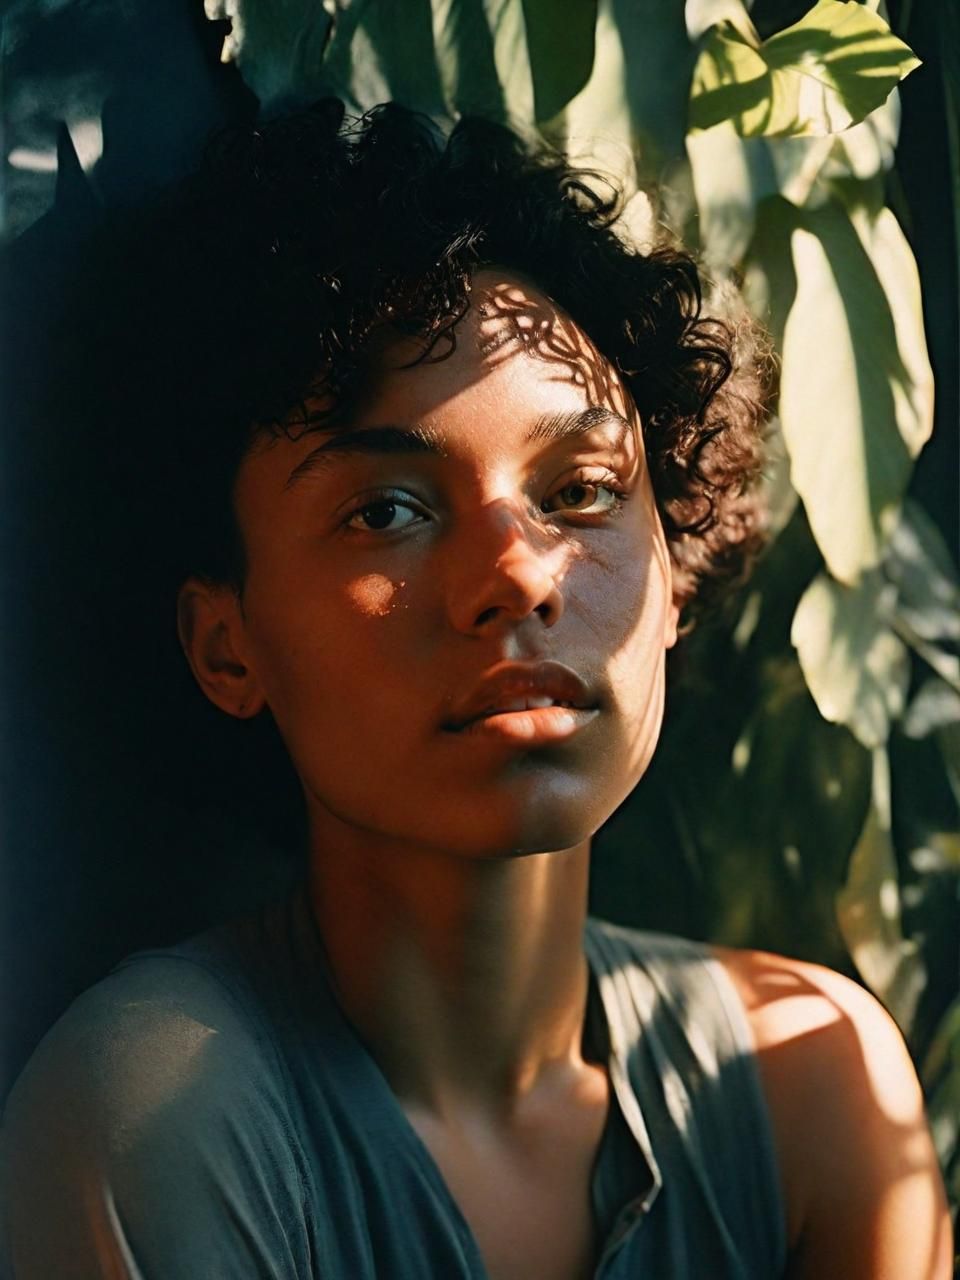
501,586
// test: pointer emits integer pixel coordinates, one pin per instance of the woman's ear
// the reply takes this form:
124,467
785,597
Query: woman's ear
212,631
670,625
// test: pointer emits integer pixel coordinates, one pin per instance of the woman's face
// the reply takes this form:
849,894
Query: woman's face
515,524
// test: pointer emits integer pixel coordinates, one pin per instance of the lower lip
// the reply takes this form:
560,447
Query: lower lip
532,727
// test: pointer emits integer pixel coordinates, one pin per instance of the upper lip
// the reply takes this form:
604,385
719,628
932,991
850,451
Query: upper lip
513,680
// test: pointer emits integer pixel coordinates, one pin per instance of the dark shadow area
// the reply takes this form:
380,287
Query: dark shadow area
922,193
110,761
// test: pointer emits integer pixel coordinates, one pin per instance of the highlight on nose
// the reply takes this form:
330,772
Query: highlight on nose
506,583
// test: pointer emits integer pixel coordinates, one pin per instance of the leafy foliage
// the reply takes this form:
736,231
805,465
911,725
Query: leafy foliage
823,74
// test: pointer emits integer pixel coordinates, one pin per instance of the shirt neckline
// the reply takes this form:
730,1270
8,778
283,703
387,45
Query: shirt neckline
606,1028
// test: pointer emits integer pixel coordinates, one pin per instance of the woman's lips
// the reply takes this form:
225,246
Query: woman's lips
512,686
530,727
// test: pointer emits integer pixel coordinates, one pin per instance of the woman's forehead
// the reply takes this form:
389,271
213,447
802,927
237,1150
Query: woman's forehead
514,344
510,320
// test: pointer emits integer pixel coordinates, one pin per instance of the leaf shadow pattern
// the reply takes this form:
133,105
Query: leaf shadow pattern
513,319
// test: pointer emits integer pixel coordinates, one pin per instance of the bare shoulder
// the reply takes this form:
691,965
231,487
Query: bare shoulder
862,1189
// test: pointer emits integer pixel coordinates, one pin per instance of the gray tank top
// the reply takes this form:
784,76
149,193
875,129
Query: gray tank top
207,1111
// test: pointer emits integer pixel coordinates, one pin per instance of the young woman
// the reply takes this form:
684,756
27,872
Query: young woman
443,459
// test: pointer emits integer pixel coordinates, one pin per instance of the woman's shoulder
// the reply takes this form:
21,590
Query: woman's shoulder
156,1100
856,1159
159,1020
178,1028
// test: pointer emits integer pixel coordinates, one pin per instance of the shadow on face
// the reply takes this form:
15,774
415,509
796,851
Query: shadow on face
483,504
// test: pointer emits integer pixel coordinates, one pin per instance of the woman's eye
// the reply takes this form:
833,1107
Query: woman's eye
588,497
379,515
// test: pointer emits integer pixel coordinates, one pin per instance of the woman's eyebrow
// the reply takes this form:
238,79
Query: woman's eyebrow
351,441
562,426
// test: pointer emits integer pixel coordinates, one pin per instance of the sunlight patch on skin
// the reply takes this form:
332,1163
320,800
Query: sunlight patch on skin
791,999
375,594
513,319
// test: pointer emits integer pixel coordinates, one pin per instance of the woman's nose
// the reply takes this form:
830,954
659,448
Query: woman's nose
500,576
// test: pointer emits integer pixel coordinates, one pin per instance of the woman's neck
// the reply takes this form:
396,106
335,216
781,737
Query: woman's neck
465,978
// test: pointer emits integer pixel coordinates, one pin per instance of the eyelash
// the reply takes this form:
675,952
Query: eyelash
385,497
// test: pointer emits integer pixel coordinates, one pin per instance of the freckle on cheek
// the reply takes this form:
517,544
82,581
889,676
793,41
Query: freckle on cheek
374,594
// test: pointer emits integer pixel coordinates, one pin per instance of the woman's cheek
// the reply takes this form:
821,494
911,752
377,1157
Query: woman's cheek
374,595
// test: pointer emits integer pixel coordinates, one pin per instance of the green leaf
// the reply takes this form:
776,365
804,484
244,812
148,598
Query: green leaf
776,825
823,74
465,47
731,175
560,41
934,706
949,740
867,148
442,58
856,667
909,374
594,127
869,910
856,393
918,562
810,170
630,117
376,53
510,57
731,82
274,46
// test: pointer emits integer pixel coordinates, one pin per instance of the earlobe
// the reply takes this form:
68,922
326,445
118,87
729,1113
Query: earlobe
672,620
212,634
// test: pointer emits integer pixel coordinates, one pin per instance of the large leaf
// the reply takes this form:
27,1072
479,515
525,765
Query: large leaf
275,46
949,739
867,148
441,57
560,40
377,53
869,909
909,373
594,127
630,117
809,170
776,826
731,175
856,400
820,76
467,40
928,586
934,706
856,667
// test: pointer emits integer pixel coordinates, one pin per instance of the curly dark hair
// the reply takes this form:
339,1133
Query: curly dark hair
256,284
